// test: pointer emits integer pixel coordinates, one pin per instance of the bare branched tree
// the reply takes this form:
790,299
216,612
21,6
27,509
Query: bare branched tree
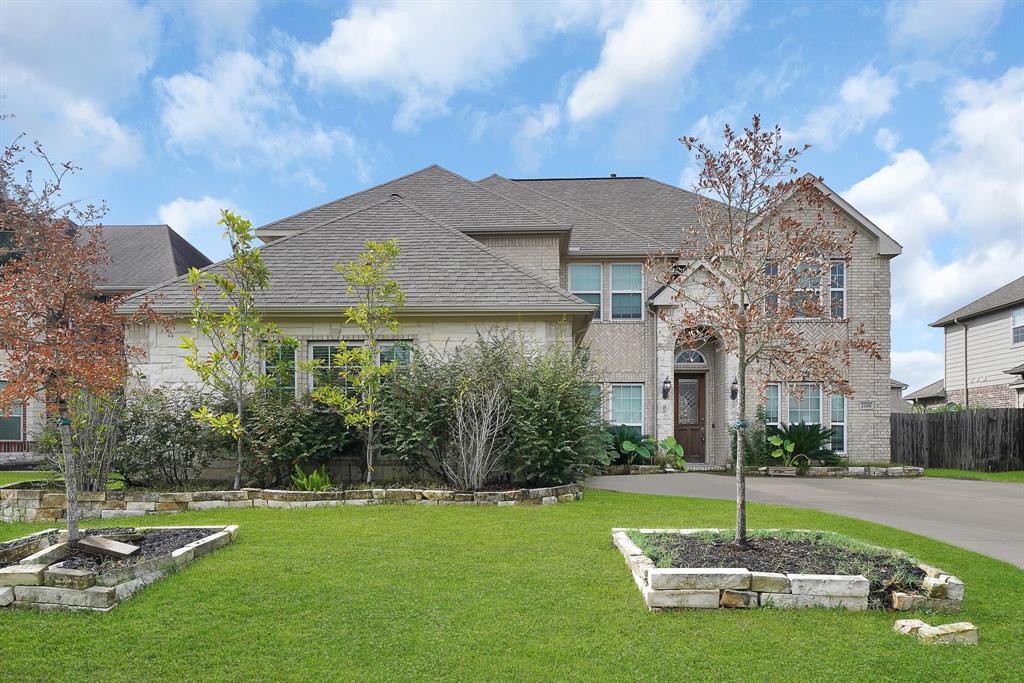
479,437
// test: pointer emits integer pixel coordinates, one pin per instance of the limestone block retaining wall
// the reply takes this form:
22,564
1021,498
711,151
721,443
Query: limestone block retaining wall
29,505
674,588
843,471
38,579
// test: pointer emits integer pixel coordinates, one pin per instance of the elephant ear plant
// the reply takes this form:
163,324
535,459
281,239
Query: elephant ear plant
666,452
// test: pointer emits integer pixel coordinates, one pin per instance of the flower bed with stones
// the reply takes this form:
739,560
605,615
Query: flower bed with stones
911,586
867,472
43,571
19,504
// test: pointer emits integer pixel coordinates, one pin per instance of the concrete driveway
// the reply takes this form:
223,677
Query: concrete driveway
984,516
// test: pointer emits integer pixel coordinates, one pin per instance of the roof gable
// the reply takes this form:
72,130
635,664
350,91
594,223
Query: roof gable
1010,294
439,268
141,256
444,196
936,389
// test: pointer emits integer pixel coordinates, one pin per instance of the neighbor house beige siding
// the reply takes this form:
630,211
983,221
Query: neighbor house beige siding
990,351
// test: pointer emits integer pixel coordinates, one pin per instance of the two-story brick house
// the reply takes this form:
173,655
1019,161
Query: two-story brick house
561,260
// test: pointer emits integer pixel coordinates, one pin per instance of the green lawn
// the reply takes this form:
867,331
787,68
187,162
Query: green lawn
1016,476
12,477
540,593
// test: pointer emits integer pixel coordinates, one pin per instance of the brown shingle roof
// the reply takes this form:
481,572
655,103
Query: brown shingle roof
933,390
1008,295
439,269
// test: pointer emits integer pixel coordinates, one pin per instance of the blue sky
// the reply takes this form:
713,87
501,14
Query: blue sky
915,110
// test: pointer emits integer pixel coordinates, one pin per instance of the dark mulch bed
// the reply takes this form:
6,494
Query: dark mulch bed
811,553
151,544
22,541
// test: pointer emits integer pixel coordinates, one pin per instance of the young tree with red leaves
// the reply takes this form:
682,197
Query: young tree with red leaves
767,239
58,335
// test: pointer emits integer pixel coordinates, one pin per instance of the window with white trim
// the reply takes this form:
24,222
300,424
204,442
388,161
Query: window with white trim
808,288
771,301
1017,326
10,420
398,351
327,371
837,289
805,403
280,368
627,291
597,394
771,405
585,282
837,418
628,405
690,357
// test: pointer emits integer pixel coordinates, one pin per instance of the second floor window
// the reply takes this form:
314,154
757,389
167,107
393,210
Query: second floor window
10,420
627,291
808,288
1017,326
837,289
585,282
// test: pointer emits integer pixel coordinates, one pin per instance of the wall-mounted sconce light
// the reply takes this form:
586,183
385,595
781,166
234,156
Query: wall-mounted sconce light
666,388
734,391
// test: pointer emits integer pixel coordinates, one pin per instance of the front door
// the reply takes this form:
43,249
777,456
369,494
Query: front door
689,415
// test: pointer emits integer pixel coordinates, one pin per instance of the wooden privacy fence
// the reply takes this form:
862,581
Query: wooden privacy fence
985,440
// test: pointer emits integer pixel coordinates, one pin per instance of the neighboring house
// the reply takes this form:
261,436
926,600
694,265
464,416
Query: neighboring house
929,396
138,256
984,350
899,403
560,260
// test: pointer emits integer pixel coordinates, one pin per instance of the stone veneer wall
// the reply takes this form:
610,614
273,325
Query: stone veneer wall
29,505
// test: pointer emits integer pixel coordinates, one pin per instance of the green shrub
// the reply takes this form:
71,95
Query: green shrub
620,434
163,445
756,452
811,440
553,430
283,432
317,480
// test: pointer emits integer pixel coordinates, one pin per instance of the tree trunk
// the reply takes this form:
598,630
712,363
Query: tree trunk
369,453
70,473
239,409
741,477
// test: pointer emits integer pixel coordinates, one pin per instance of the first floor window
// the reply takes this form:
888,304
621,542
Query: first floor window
10,420
838,419
328,370
280,368
805,404
628,405
1017,326
397,351
771,405
585,282
596,396
627,291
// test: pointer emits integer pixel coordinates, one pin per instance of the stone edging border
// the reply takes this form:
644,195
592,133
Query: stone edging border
38,579
673,588
29,505
866,472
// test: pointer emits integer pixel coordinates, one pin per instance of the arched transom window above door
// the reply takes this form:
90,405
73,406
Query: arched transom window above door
690,357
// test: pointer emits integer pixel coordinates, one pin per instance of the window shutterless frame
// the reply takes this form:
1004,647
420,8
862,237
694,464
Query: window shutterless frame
807,405
627,290
627,405
11,420
772,405
586,280
837,422
837,289
1017,326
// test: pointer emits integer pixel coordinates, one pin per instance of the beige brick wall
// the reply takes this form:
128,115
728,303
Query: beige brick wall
536,253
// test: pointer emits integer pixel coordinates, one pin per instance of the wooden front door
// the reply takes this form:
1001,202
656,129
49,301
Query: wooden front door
689,415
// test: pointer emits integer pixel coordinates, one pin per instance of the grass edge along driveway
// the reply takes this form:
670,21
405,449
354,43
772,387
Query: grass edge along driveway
457,593
1016,476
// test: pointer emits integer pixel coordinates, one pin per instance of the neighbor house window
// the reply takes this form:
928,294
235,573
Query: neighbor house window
10,420
585,282
1017,326
628,405
838,419
627,291
805,404
280,368
771,405
807,288
837,289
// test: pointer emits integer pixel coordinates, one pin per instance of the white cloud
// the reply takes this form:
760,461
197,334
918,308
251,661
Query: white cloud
533,135
66,68
196,220
931,27
959,216
863,97
236,111
917,368
220,23
655,47
427,51
887,139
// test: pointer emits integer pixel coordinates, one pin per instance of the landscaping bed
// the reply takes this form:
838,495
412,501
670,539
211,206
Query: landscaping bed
677,568
48,573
